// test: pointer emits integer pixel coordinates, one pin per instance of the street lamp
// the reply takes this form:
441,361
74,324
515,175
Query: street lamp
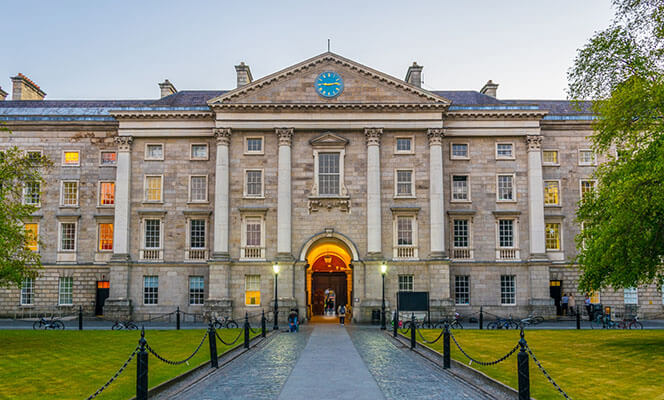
383,270
275,268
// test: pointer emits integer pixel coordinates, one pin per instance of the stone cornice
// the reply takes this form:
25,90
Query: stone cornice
161,114
329,106
496,114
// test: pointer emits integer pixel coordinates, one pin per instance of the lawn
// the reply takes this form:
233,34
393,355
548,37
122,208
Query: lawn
606,364
74,364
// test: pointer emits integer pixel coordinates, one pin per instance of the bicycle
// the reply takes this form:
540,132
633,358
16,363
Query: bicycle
630,323
53,323
454,323
224,322
603,321
503,323
128,325
532,320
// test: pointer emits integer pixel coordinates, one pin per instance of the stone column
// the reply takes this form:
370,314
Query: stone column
374,226
221,189
285,136
535,198
436,197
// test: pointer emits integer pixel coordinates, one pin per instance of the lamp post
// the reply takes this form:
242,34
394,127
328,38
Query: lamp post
383,270
275,268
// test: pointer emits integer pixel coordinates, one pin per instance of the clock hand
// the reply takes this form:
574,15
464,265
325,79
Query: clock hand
330,84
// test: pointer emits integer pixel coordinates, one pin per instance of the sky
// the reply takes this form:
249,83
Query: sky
122,49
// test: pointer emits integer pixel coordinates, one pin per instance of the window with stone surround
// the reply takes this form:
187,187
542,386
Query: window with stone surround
105,236
505,188
404,185
67,240
586,186
329,151
459,151
154,151
460,188
550,157
507,290
405,235
594,297
153,185
253,236
552,236
152,240
253,183
551,193
461,290
405,283
198,152
69,194
504,151
196,290
32,193
150,290
32,236
253,145
106,194
586,157
631,295
198,185
108,158
461,239
404,145
65,288
27,292
328,174
506,233
71,158
252,290
507,238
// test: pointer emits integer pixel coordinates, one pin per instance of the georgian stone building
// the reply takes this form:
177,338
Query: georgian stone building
327,168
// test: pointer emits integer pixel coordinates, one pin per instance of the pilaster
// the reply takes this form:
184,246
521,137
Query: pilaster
535,198
285,137
436,196
221,197
121,225
374,227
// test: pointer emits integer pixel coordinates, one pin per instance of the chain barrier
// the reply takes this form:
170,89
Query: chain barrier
484,363
254,331
154,353
404,332
435,340
114,377
231,343
546,374
158,317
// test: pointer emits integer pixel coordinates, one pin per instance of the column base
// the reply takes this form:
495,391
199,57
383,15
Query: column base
438,255
538,257
218,308
119,309
376,256
120,257
284,257
221,256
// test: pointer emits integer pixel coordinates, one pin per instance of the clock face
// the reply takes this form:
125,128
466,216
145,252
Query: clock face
329,84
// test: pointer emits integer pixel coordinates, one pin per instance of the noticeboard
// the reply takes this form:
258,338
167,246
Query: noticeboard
413,301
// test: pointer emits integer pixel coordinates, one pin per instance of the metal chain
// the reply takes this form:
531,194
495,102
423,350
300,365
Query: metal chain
231,343
255,331
154,353
159,316
101,389
435,340
472,360
546,374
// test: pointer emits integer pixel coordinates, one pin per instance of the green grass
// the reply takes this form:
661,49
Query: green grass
607,364
74,364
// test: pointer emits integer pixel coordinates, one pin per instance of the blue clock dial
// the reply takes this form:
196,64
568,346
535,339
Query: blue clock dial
329,84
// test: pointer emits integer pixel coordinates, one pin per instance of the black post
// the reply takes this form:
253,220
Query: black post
177,318
446,347
275,327
523,371
80,318
263,327
578,318
212,335
382,306
412,332
246,330
142,369
481,318
395,323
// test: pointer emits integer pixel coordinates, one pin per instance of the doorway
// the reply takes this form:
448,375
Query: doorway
555,291
103,289
329,279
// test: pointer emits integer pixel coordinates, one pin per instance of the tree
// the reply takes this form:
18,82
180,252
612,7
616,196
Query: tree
18,169
621,69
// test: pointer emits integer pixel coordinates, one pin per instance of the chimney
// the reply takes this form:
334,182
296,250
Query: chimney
25,89
243,74
414,74
3,94
490,89
167,88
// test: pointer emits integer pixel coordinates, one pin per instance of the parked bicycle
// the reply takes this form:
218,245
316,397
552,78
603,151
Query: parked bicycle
603,321
630,323
503,323
224,322
532,320
45,324
453,323
120,325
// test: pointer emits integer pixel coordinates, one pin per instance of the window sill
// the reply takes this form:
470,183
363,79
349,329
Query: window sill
70,166
199,202
245,197
462,305
65,305
404,153
107,165
328,196
508,305
199,159
111,206
61,206
248,153
150,305
460,158
506,201
505,158
461,201
551,165
153,159
405,197
252,305
153,202
553,206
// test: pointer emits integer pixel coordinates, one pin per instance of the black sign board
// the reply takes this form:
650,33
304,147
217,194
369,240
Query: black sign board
413,301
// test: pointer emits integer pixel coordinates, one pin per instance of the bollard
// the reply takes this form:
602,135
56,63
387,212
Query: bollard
214,362
413,340
246,330
395,324
578,318
446,347
142,369
80,318
481,318
523,371
177,318
263,324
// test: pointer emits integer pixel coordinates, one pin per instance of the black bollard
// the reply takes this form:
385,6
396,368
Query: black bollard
523,371
80,318
446,347
177,318
413,340
578,318
395,324
481,318
214,362
142,369
263,325
246,330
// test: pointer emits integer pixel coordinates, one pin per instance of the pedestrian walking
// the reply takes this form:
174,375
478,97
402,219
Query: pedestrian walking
586,303
342,314
572,304
565,301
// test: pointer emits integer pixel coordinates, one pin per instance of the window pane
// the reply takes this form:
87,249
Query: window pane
460,150
507,289
155,151
67,236
253,232
152,233
552,236
255,145
196,290
105,236
404,231
198,151
65,290
27,292
586,157
197,233
107,193
254,183
505,190
153,188
461,233
462,289
631,296
506,233
71,158
32,236
198,188
108,157
404,144
551,193
31,193
504,150
587,186
69,193
459,187
252,285
151,290
328,173
550,157
405,283
404,183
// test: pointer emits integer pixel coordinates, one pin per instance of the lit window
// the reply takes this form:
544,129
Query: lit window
587,186
154,151
328,174
404,145
405,283
507,289
504,150
67,236
27,292
631,296
65,290
108,158
198,188
32,193
196,290
505,187
460,188
551,193
594,298
255,145
552,236
252,290
461,289
586,157
197,234
461,237
105,237
199,151
69,193
106,193
71,158
153,188
254,183
505,233
550,157
150,290
459,151
32,236
404,183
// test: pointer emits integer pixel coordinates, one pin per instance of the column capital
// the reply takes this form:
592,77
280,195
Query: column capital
373,136
435,136
285,136
124,143
223,136
534,142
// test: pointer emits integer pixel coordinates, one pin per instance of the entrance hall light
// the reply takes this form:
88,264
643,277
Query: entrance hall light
275,268
383,269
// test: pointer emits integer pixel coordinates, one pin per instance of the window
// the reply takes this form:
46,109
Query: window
404,231
34,155
254,145
106,193
71,158
459,151
506,188
631,296
196,290
150,290
461,236
199,151
586,186
586,157
254,183
505,151
197,233
328,174
253,229
505,233
551,193
27,292
32,236
460,190
152,233
405,237
508,289
108,158
154,151
153,188
550,157
252,290
404,145
405,283
552,236
65,290
67,236
404,183
198,188
461,289
32,193
252,237
69,194
106,237
594,298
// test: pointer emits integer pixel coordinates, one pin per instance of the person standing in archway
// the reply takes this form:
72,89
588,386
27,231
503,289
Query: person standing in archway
342,314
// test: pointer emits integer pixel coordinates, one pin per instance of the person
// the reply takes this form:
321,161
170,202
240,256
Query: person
586,302
565,303
292,321
342,314
572,304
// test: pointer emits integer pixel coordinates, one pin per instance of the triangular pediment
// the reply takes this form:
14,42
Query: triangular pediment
363,87
329,139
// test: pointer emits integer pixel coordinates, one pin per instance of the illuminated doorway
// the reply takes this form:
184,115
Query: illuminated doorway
329,278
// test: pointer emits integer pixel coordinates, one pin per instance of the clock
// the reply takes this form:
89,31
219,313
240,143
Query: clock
329,84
